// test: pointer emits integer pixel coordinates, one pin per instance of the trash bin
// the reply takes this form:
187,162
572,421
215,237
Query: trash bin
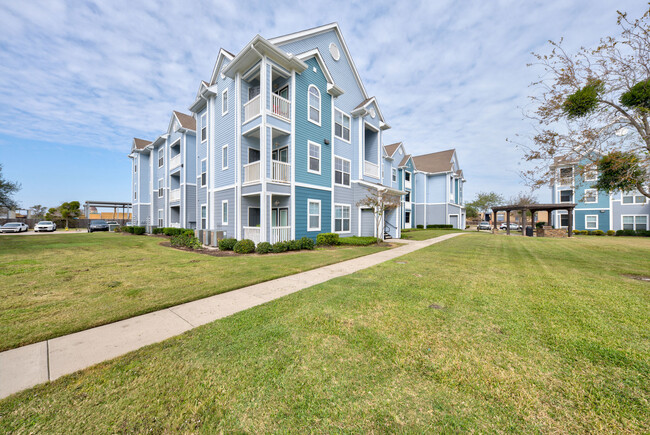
529,231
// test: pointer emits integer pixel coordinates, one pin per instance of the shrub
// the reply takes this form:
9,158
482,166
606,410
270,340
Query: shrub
440,226
629,233
264,248
306,243
187,232
620,232
138,231
245,246
611,232
327,239
358,241
172,231
577,232
540,224
588,232
227,244
186,241
157,231
599,233
118,229
420,227
293,245
279,247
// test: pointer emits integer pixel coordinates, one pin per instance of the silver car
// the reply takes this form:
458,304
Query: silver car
13,227
45,226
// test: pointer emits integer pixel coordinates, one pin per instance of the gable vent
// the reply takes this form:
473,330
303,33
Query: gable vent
334,51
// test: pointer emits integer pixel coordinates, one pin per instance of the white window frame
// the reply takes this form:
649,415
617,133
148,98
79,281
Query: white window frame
161,189
204,174
204,216
595,191
591,174
393,175
135,193
224,203
634,216
135,167
559,196
343,116
204,126
309,106
634,196
224,94
586,221
161,218
563,179
320,155
343,172
309,215
349,207
161,157
224,162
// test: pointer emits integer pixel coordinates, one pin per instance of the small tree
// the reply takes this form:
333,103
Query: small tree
7,189
67,210
38,211
485,201
523,198
380,200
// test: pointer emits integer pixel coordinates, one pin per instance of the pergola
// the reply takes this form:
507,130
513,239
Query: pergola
125,206
533,208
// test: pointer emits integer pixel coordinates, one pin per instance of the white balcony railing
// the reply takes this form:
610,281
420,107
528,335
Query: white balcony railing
252,109
175,224
281,107
252,172
175,161
407,184
370,169
280,234
281,172
175,195
252,233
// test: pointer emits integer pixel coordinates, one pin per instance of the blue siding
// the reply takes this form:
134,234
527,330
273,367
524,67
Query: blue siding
603,219
303,194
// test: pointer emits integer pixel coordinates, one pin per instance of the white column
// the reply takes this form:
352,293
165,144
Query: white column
263,149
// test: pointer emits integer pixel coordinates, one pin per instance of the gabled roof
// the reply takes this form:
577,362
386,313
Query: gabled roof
186,121
140,144
390,149
280,40
332,88
252,53
223,54
435,162
404,161
360,109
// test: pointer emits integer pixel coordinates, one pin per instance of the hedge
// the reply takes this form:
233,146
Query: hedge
227,244
279,247
446,226
306,243
264,248
245,246
632,233
327,239
186,241
357,241
138,231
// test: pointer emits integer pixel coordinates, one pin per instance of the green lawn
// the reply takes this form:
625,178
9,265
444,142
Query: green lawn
424,234
57,284
475,334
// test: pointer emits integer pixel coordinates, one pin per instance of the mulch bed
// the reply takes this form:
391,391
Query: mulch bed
218,253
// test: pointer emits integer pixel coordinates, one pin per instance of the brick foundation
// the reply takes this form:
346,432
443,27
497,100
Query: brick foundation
547,231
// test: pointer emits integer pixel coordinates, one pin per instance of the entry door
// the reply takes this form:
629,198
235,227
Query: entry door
367,223
407,219
281,155
279,217
284,92
453,219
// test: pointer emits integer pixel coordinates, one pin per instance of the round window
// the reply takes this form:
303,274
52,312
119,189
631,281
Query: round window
334,51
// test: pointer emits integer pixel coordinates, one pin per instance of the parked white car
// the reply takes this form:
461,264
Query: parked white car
504,226
45,226
13,227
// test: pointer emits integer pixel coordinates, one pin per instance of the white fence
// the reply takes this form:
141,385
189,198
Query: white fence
280,234
370,169
281,171
252,109
252,233
175,161
252,172
281,107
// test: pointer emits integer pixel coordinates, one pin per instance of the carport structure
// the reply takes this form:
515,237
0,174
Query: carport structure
533,208
126,207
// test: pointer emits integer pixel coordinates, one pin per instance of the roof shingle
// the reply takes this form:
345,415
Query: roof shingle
186,121
390,149
434,162
140,143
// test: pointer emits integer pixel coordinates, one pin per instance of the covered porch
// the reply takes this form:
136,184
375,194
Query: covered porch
266,224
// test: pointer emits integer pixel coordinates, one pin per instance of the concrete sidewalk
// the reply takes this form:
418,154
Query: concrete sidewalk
48,360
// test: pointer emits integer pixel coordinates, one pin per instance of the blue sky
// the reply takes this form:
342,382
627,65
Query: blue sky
78,80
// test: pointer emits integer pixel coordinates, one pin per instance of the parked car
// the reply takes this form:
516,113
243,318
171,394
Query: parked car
504,226
13,227
483,226
97,225
45,226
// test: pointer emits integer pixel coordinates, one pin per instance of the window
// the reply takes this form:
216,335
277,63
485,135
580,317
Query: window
135,193
341,125
407,217
566,195
224,212
224,102
135,168
254,217
341,171
313,215
342,218
161,222
204,172
629,198
591,196
564,220
224,157
635,223
253,155
204,217
591,222
161,157
314,158
591,174
161,189
407,177
566,175
204,127
394,172
280,155
314,104
407,197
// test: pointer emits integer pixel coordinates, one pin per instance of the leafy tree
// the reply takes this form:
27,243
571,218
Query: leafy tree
594,107
7,189
38,211
523,198
471,211
66,211
485,201
380,201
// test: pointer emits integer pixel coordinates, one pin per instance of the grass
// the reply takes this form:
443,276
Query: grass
57,284
475,334
424,234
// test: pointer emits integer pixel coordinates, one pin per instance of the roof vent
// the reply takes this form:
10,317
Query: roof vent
334,51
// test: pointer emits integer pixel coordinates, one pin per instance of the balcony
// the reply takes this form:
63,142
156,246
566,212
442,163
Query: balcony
281,172
407,183
252,233
252,109
280,234
252,172
370,169
174,195
281,107
175,161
